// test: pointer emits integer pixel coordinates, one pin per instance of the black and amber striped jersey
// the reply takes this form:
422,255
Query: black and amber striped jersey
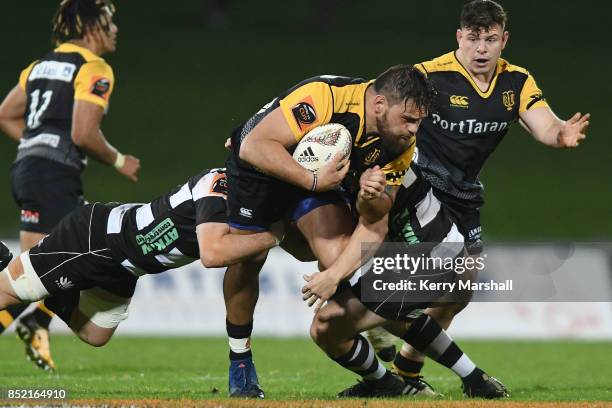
466,124
52,84
335,99
161,235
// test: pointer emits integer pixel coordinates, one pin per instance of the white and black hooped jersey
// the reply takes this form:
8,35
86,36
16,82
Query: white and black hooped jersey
161,235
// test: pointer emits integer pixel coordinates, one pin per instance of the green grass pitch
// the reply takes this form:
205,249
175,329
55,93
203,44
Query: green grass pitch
293,369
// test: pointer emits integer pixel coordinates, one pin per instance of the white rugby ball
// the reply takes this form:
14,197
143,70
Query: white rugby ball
321,144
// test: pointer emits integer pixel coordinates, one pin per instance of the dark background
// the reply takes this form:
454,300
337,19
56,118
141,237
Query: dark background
189,71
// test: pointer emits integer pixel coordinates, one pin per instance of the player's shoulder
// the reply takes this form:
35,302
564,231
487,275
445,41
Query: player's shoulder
85,53
327,82
91,61
504,66
208,182
443,63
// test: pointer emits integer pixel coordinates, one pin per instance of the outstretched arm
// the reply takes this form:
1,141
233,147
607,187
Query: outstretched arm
548,129
218,247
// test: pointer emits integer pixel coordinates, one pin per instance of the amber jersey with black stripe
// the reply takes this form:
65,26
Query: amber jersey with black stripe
52,84
334,99
466,124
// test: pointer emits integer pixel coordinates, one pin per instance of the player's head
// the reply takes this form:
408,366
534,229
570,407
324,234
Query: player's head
403,98
482,35
90,20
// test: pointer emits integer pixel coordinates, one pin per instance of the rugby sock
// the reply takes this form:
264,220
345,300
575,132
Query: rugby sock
11,313
239,340
42,315
361,359
407,367
426,335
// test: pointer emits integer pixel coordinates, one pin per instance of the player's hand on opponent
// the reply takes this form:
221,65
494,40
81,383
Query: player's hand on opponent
130,168
573,130
372,183
319,288
331,174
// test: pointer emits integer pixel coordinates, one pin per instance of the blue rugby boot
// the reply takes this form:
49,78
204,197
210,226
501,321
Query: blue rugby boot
243,382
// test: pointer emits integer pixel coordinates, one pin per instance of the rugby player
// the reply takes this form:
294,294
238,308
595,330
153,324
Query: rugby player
54,112
417,216
87,268
266,184
479,95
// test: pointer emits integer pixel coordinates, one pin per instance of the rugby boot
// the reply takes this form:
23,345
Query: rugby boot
390,385
36,339
418,387
243,382
480,385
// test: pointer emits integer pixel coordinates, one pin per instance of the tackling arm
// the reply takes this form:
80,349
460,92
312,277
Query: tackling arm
12,111
218,247
322,285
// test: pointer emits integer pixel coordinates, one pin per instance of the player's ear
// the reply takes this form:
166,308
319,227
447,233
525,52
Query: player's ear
380,103
459,35
505,37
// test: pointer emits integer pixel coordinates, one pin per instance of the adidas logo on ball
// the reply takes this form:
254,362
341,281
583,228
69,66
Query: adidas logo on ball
307,156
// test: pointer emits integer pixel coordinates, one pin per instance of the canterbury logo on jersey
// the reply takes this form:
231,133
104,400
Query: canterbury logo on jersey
307,156
469,126
459,101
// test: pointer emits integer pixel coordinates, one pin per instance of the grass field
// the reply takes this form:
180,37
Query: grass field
160,371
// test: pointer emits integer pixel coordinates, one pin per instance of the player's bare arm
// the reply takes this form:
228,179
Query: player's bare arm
86,134
548,129
218,247
266,149
12,111
322,285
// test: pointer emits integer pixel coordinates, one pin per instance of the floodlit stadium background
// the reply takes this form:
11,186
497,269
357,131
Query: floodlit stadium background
185,79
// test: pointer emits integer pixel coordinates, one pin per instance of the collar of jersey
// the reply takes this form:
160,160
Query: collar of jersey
69,47
501,64
362,125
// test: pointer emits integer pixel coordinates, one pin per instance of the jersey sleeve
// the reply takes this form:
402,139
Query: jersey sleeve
306,107
395,170
531,95
210,198
94,83
23,77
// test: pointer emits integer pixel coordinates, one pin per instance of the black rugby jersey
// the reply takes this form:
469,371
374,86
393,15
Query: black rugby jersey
52,84
334,99
466,124
161,235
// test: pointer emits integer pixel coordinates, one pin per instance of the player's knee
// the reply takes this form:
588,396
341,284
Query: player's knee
94,337
319,329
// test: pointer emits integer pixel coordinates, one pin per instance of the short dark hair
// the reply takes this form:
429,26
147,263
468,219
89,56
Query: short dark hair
482,14
402,83
75,17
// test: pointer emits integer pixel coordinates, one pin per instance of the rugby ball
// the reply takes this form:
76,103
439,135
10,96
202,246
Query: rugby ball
321,144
